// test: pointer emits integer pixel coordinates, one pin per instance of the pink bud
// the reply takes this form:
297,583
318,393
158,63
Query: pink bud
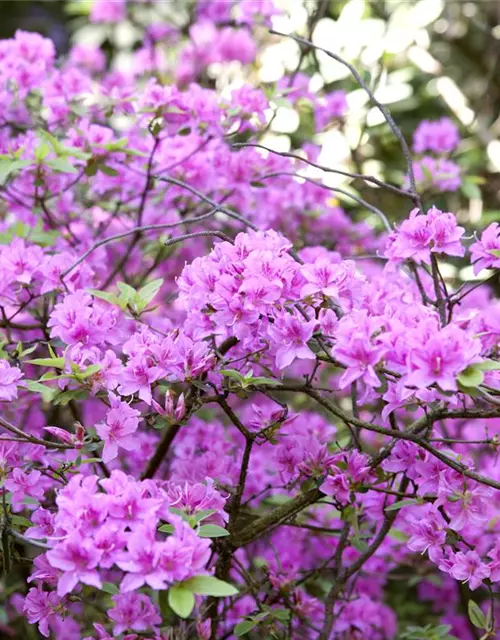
60,434
180,409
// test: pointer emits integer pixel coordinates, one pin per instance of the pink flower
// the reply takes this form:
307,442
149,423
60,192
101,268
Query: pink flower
24,485
428,533
133,611
41,607
357,349
438,356
77,557
439,136
292,333
138,376
121,422
468,567
8,380
486,252
141,562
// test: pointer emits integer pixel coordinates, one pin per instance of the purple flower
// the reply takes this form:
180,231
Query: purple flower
24,485
118,429
77,557
486,252
9,377
292,333
133,611
439,136
42,607
468,567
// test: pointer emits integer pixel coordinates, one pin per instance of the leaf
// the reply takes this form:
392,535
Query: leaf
476,616
109,587
61,165
149,291
128,292
20,521
489,365
472,376
181,601
108,171
166,528
66,397
105,295
210,586
58,363
9,166
91,370
244,627
201,515
212,531
401,503
470,190
47,393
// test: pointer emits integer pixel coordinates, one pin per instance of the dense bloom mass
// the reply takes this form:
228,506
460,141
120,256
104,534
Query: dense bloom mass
230,406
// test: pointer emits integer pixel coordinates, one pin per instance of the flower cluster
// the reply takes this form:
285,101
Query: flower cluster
215,381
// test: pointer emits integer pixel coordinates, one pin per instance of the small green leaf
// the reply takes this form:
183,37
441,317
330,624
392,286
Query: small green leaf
148,292
108,171
212,531
61,165
58,363
401,503
489,365
166,528
19,521
210,586
472,376
181,601
242,628
105,295
46,392
476,616
111,588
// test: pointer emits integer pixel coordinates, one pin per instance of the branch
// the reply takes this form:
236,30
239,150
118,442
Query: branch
383,110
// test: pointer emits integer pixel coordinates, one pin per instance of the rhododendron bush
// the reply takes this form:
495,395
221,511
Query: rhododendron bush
229,406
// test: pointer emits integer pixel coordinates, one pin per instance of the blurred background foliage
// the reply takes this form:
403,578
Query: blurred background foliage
423,58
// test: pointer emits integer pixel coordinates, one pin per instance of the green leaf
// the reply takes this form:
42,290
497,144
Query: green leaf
181,601
401,503
91,370
148,292
166,528
128,292
67,396
489,365
201,515
212,531
111,588
8,166
19,521
108,171
61,165
58,363
47,393
105,295
210,586
470,190
242,628
476,616
472,376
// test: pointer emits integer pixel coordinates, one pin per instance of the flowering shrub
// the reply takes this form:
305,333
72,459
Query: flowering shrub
226,408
